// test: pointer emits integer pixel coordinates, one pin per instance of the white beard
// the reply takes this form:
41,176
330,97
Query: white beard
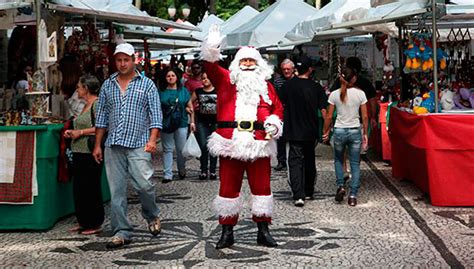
251,84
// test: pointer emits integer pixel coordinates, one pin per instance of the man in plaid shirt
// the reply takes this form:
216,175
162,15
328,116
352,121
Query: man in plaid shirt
129,109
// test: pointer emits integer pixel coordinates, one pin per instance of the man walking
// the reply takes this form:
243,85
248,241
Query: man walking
288,72
301,98
129,109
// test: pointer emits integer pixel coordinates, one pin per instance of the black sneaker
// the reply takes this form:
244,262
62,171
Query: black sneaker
280,167
340,194
182,176
203,176
166,180
212,176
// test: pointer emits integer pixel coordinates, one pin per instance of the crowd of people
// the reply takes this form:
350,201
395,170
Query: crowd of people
240,118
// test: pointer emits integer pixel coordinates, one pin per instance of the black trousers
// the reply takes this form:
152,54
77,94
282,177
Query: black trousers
281,147
87,191
302,167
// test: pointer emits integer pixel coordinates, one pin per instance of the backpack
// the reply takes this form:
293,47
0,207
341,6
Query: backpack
171,117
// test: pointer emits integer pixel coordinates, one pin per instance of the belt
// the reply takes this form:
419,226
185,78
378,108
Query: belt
248,126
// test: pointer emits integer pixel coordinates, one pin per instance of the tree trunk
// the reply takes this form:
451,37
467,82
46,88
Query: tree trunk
212,6
253,3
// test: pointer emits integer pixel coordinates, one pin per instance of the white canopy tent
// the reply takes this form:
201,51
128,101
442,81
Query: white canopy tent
112,10
238,19
204,26
270,26
322,20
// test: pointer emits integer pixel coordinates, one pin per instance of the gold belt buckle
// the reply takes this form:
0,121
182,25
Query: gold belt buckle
240,128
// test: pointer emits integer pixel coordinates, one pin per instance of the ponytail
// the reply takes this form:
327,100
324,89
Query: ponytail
347,79
343,91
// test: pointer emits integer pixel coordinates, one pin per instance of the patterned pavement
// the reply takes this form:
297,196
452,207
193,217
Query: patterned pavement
393,226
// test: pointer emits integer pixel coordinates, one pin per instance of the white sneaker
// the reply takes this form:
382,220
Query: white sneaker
299,203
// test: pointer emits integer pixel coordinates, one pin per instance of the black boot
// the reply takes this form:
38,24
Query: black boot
227,237
263,237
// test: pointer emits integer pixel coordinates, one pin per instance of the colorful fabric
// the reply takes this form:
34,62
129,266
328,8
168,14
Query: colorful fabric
7,160
129,116
20,191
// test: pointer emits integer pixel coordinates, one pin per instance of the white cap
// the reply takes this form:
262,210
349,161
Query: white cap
125,48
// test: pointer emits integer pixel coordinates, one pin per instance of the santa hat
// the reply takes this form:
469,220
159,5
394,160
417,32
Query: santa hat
252,53
248,52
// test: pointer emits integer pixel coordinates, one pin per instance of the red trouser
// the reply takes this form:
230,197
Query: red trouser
231,173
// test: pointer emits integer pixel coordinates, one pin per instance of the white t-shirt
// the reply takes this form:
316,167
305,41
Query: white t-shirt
348,112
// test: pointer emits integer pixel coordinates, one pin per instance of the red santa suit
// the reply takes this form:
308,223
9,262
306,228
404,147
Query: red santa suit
240,150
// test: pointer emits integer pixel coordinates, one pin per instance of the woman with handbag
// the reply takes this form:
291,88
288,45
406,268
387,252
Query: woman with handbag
175,101
86,172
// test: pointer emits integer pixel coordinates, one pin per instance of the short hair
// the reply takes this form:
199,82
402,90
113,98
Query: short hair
354,63
91,83
287,61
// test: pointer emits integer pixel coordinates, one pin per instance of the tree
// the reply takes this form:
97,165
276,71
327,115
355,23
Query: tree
223,8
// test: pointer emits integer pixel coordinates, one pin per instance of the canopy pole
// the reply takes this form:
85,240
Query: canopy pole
435,54
38,22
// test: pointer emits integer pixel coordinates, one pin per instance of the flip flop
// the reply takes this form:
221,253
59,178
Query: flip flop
92,231
76,229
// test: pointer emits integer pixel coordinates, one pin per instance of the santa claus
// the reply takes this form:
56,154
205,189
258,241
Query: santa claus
249,117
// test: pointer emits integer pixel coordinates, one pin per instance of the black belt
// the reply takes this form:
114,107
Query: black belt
241,125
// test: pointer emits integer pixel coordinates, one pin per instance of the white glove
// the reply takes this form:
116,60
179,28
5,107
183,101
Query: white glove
271,129
214,37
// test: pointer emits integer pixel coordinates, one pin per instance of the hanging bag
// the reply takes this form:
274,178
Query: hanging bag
191,148
172,117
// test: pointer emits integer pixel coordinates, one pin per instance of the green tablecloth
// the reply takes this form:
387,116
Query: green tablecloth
55,199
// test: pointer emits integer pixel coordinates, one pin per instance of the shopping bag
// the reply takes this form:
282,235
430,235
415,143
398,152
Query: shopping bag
191,148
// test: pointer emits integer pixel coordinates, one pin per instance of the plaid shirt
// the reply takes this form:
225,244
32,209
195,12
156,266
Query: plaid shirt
129,117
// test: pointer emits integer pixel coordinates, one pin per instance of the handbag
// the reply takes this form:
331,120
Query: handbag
91,138
171,117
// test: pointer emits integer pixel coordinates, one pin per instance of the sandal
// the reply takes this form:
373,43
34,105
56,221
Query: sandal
117,242
155,227
92,231
76,229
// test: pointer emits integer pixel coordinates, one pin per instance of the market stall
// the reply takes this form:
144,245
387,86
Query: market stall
429,127
35,188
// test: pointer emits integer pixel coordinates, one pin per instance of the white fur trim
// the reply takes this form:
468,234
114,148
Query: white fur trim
241,147
210,53
276,121
227,207
262,205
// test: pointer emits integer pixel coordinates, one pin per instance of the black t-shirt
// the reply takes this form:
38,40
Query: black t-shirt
207,101
362,83
302,99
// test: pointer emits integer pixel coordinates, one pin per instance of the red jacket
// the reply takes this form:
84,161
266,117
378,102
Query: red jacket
225,142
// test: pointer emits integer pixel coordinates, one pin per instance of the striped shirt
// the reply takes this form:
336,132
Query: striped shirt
129,116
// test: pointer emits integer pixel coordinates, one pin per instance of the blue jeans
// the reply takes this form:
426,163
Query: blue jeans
168,142
352,138
204,130
122,164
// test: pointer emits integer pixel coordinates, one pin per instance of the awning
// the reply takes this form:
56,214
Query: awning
386,13
119,17
163,44
13,4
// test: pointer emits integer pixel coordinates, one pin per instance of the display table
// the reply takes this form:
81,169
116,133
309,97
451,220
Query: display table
55,199
436,152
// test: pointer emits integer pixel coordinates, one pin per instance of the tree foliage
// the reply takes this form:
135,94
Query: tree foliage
224,8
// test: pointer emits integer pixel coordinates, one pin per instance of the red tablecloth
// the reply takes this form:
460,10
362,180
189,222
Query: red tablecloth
436,152
385,140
